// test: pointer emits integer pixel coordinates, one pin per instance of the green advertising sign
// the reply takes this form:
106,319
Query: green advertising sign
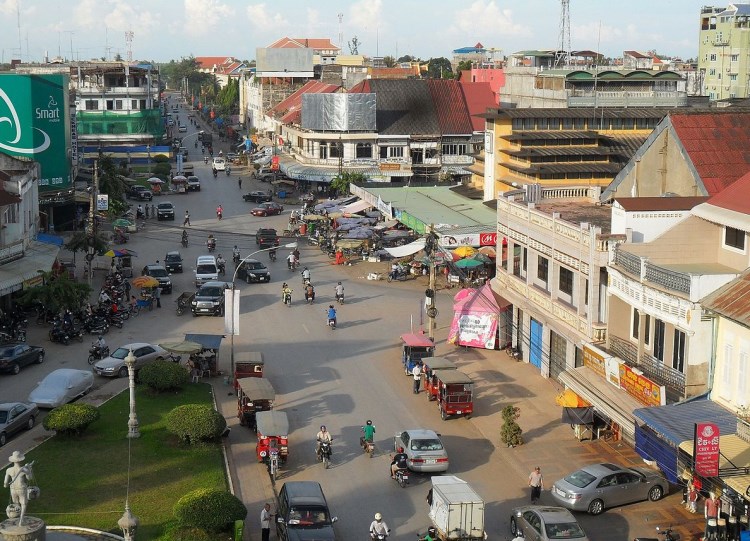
35,124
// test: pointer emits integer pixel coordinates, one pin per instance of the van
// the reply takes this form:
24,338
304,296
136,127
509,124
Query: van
303,513
219,164
206,270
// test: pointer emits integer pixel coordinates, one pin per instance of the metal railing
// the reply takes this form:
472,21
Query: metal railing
652,368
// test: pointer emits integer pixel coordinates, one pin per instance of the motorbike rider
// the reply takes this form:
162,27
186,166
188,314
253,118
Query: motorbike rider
219,211
395,270
306,275
379,527
399,462
295,252
140,213
100,344
431,534
331,315
291,261
236,255
184,236
322,435
211,243
215,172
205,160
339,291
104,297
228,170
286,293
309,292
221,263
368,433
272,254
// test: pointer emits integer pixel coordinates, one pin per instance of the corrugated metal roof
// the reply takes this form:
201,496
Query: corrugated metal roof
581,112
403,107
736,197
572,151
546,168
675,422
291,107
641,204
521,135
450,106
732,300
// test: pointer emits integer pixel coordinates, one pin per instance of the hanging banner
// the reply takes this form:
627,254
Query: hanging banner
474,329
706,449
232,311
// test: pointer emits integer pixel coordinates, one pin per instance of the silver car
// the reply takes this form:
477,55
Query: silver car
60,387
544,522
114,365
14,417
597,487
424,449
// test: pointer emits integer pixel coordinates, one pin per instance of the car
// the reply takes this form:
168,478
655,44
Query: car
161,274
60,387
545,523
266,237
141,193
265,177
193,184
424,450
231,156
183,151
114,365
597,487
209,299
303,513
267,209
253,271
165,211
219,164
14,356
14,417
182,128
173,261
257,197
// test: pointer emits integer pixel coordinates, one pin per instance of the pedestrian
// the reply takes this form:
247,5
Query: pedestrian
186,221
416,372
692,498
127,289
239,181
265,522
536,482
429,498
157,296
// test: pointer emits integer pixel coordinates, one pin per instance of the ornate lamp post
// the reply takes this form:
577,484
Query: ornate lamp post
128,523
133,431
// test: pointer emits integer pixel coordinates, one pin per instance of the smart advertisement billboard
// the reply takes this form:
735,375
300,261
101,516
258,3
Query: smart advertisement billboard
35,124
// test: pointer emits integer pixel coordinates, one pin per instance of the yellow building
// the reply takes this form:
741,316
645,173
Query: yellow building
723,59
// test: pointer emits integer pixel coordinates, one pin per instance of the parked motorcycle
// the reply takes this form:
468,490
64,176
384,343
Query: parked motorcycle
58,334
668,534
95,325
96,353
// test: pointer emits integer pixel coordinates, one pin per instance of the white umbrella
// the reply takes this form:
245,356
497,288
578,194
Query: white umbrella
155,180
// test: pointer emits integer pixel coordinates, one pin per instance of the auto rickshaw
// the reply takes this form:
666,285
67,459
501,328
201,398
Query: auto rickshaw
253,395
273,436
455,393
415,348
248,364
430,365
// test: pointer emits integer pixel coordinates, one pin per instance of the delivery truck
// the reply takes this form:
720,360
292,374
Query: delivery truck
456,510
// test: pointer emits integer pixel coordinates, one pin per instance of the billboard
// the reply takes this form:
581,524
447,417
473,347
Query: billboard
706,449
35,124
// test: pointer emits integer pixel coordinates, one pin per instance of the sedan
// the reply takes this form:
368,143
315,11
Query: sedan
14,417
599,486
257,197
544,522
60,387
114,365
182,129
267,209
15,356
424,450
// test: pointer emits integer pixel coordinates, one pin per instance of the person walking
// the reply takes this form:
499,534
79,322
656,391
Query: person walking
265,522
239,182
186,221
416,373
536,482
157,296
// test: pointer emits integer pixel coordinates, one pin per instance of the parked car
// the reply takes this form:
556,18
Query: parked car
267,209
14,356
265,177
253,271
193,184
14,417
231,156
424,450
257,197
114,365
165,211
544,523
182,128
141,193
60,387
160,273
266,237
173,261
597,487
303,513
209,299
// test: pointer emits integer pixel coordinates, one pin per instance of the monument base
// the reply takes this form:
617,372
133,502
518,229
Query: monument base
32,529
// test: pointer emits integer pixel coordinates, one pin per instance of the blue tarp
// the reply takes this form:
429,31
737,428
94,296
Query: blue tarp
675,422
208,341
44,238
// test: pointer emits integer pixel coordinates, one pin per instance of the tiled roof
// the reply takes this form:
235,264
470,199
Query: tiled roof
478,97
303,43
641,204
290,109
404,106
732,300
450,106
208,62
636,54
735,197
717,144
392,73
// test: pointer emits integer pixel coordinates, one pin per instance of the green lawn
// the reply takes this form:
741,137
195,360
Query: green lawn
84,480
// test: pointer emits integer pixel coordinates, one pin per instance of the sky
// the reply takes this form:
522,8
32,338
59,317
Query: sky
172,29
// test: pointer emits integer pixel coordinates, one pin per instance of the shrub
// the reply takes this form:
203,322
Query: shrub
161,169
160,376
510,432
193,423
71,419
160,158
209,509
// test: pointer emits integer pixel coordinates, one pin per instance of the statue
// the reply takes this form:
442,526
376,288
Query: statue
17,477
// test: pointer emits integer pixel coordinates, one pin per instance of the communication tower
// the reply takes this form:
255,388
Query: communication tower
562,57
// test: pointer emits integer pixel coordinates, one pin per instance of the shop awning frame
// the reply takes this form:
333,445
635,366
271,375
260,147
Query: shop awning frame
675,422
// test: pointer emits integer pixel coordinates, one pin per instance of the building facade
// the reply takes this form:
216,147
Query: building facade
723,47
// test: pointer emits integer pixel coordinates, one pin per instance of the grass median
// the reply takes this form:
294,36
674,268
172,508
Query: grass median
84,480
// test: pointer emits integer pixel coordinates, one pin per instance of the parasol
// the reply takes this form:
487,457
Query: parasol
154,180
179,178
462,294
464,251
182,347
489,251
122,222
468,263
481,257
122,252
348,243
145,281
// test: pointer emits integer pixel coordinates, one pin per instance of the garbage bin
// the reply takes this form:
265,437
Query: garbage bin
239,526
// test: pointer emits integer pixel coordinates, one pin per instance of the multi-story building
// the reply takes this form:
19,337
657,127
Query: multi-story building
223,68
723,51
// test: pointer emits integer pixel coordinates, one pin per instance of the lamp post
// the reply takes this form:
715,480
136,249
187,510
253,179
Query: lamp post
133,431
128,523
233,327
148,150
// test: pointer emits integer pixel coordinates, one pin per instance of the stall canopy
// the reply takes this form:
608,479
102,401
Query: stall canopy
476,319
407,249
357,206
208,341
482,300
675,422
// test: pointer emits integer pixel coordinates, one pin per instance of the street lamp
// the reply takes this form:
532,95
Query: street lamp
233,327
128,523
148,150
133,431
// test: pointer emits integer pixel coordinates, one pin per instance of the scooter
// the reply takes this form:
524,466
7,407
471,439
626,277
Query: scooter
216,173
286,297
205,160
340,298
184,241
222,268
272,255
402,477
668,534
324,454
96,353
227,171
378,536
367,446
211,246
58,334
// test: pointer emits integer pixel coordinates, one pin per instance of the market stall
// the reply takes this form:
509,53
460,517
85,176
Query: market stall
209,355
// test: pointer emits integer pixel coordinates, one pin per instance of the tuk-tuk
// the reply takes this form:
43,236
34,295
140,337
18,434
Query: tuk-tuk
430,364
415,347
455,393
253,395
248,364
273,435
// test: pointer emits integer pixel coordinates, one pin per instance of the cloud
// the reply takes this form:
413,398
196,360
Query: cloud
261,17
366,14
486,18
124,17
86,15
202,16
8,7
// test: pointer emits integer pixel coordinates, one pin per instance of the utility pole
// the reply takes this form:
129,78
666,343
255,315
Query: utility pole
92,222
432,312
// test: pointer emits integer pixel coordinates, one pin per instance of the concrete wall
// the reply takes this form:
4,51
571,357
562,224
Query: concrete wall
731,385
645,226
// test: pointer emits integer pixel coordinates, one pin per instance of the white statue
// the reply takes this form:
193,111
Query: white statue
17,477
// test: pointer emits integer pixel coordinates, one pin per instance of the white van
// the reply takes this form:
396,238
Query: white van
206,270
220,164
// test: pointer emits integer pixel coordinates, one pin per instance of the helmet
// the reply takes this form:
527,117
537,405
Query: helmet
378,517
339,283
100,337
323,427
432,531
330,306
369,422
400,449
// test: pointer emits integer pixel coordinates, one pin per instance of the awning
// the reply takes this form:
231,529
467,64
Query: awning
605,397
735,453
357,206
675,422
407,249
208,341
50,239
37,257
386,225
482,300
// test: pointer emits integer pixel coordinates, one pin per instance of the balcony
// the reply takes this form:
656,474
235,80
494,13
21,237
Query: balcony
653,368
132,91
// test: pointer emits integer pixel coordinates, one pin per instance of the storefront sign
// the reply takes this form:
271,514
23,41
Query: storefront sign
73,138
594,359
102,201
640,387
477,330
390,167
275,163
470,239
706,449
612,369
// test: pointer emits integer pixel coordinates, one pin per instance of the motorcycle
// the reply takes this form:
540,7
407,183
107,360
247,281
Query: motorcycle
324,453
305,280
331,323
216,173
222,267
367,445
402,477
227,171
115,320
400,274
184,241
286,297
272,255
236,259
219,214
292,265
96,353
378,536
668,534
174,358
58,334
211,246
309,296
340,298
95,325
205,160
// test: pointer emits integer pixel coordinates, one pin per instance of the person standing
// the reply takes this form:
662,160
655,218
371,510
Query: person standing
265,522
239,181
536,482
416,373
186,221
157,296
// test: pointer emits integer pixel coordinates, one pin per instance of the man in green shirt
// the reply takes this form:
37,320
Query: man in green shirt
369,433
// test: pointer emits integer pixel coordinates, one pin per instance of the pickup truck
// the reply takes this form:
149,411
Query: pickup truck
266,237
141,193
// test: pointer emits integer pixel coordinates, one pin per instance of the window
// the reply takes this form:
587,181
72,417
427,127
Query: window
727,361
734,58
646,326
635,325
336,150
391,152
133,105
565,282
734,238
118,105
542,269
110,105
712,57
455,149
364,150
678,351
742,375
659,330
92,105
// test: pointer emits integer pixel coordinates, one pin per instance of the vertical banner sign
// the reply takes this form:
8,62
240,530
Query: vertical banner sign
73,138
706,449
102,201
232,311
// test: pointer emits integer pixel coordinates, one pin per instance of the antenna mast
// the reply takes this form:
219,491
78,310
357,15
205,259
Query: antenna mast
129,44
562,57
18,23
341,31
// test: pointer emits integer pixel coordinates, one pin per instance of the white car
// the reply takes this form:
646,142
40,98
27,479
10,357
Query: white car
114,365
60,387
220,164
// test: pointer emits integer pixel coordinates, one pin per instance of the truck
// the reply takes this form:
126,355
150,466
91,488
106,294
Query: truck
205,138
456,510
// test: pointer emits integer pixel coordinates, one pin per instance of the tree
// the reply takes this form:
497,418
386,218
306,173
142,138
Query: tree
464,65
407,58
186,69
80,242
228,98
439,68
57,293
389,61
340,183
510,432
112,184
354,45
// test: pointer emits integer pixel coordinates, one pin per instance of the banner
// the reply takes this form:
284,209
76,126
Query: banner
640,387
469,239
706,449
232,311
471,329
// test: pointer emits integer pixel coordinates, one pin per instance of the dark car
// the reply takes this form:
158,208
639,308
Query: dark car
303,513
193,184
165,211
265,177
140,192
15,356
257,197
173,261
267,209
266,237
14,417
209,299
160,273
253,271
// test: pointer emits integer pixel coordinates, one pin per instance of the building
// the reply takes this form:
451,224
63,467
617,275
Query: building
324,51
723,46
223,68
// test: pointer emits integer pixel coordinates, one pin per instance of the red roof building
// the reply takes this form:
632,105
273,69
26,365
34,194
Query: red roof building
289,110
322,46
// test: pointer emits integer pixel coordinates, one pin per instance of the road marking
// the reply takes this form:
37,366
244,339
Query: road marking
304,327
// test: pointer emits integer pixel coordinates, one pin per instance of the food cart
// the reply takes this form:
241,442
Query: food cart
431,364
209,356
455,393
415,347
253,395
179,184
